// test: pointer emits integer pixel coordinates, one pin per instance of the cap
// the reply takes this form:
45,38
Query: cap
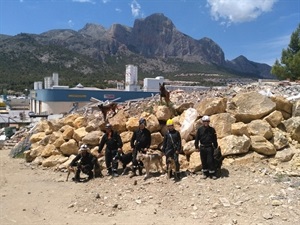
142,121
169,122
205,118
83,147
108,125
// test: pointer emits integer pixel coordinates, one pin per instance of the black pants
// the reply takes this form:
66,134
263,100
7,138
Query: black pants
87,169
207,160
176,159
111,160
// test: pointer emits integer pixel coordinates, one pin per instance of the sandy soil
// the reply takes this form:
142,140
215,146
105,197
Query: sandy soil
249,194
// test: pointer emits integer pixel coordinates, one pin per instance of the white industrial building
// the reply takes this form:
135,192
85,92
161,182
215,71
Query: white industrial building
131,78
152,84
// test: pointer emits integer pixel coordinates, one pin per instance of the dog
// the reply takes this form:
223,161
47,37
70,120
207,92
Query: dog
171,167
106,108
164,93
149,159
218,159
71,169
125,160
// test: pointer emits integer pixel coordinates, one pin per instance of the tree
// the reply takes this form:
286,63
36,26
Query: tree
289,68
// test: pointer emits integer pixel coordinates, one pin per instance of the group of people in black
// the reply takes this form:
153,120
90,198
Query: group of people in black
205,143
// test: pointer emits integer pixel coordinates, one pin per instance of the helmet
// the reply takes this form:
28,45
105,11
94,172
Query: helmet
169,122
205,118
83,147
142,121
108,125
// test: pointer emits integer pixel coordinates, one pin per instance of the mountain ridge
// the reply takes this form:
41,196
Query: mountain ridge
153,44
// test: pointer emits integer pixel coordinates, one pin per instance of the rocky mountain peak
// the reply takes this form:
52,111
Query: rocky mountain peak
156,20
93,30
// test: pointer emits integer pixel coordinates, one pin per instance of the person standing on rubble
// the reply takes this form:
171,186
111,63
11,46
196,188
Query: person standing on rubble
114,145
140,142
172,147
207,138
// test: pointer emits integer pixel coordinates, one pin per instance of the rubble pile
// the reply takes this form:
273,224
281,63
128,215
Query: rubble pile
254,122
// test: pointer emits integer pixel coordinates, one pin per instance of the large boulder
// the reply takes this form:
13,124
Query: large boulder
260,128
163,113
274,118
234,145
222,123
292,126
210,106
261,145
69,148
283,105
92,138
250,106
156,140
54,160
239,129
132,124
79,134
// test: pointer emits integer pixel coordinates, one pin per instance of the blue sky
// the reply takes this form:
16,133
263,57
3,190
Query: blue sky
257,29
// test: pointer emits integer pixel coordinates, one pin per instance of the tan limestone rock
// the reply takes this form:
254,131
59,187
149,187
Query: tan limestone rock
239,129
260,128
210,106
68,133
163,113
274,118
132,124
79,134
250,106
222,123
262,145
69,148
54,160
234,145
92,138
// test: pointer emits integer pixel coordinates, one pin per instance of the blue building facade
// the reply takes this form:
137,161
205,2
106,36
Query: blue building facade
61,100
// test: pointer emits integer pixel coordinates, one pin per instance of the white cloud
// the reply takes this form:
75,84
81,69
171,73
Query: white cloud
21,1
118,10
135,8
105,1
238,11
70,23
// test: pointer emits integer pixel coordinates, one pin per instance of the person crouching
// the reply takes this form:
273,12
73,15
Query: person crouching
84,162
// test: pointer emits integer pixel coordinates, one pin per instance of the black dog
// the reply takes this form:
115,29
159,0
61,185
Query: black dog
124,159
218,159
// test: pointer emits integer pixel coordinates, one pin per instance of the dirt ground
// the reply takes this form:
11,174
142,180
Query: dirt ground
247,195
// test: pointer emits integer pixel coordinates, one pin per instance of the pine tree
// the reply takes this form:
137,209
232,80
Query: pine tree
289,67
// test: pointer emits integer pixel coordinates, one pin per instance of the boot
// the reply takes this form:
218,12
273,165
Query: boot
204,176
109,172
213,176
115,173
177,176
91,175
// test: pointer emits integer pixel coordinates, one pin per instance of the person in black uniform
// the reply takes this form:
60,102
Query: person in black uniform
84,162
207,138
172,146
114,145
140,141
